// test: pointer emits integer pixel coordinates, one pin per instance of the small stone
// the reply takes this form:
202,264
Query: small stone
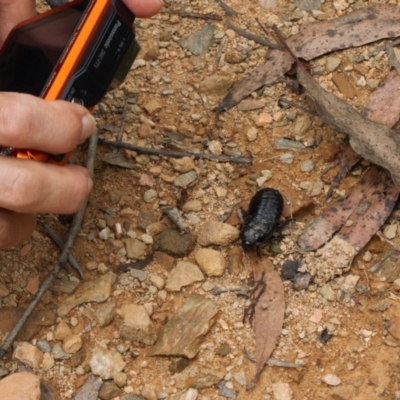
20,386
190,394
240,378
263,119
174,243
184,164
135,249
185,180
308,5
286,158
282,391
91,265
331,380
32,285
390,231
301,281
192,206
157,281
62,331
342,393
48,361
150,195
44,346
72,344
316,317
58,353
28,354
287,144
210,261
215,147
328,293
153,106
135,324
317,188
220,192
105,233
218,233
248,105
146,239
3,290
106,363
252,134
332,63
216,84
307,166
301,126
108,390
184,274
120,379
367,256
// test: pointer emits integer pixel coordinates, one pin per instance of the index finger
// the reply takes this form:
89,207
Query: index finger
52,126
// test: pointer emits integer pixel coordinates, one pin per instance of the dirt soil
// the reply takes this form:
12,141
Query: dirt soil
169,92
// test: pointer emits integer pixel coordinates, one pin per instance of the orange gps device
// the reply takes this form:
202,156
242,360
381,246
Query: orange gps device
75,52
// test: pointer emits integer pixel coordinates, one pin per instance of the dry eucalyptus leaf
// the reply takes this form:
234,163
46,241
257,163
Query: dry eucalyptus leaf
269,310
358,28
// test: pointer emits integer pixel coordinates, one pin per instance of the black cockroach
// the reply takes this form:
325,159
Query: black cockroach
265,209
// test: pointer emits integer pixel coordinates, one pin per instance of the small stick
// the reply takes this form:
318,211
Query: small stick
273,362
177,154
377,50
60,243
206,17
220,49
228,10
75,226
384,238
272,45
238,290
250,36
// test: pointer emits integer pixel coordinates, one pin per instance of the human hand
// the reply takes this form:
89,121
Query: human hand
26,186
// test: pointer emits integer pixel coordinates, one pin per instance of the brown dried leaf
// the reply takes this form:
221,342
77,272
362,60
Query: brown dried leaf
354,29
117,159
269,310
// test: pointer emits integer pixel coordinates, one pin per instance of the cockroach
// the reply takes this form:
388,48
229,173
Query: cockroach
265,209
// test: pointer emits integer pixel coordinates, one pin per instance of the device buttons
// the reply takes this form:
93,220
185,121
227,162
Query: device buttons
77,100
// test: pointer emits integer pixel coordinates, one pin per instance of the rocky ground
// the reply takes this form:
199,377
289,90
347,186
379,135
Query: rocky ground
171,327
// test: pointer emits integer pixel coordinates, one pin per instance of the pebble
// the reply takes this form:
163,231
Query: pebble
153,106
58,353
317,188
192,206
211,262
62,330
367,256
120,379
328,293
174,243
3,290
106,362
185,180
240,378
105,233
135,324
252,134
394,328
215,147
184,164
190,394
28,354
316,317
157,281
286,158
43,345
184,274
282,391
108,390
390,231
308,5
307,166
48,361
332,63
301,126
331,380
220,192
72,344
216,84
22,385
135,249
217,233
263,119
301,281
150,195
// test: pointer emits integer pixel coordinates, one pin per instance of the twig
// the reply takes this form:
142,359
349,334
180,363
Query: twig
392,59
384,238
376,51
75,226
250,36
60,243
177,154
220,49
206,17
239,290
122,127
228,10
272,45
251,309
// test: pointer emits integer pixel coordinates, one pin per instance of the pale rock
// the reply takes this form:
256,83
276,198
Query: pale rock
153,106
282,391
62,331
328,293
135,324
332,63
157,281
192,206
301,126
220,192
105,313
146,238
316,316
331,380
263,119
252,134
28,354
106,362
190,394
48,361
135,249
390,231
210,261
3,290
217,233
20,386
184,164
72,344
215,147
184,274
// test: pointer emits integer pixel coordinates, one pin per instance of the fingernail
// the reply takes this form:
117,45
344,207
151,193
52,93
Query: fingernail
88,126
90,184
